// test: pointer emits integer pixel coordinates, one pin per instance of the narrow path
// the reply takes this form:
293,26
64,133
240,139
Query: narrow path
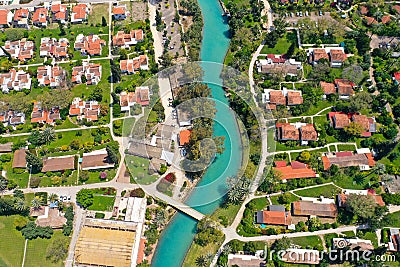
80,216
25,248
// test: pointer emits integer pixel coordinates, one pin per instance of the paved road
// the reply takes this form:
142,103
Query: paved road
158,47
79,218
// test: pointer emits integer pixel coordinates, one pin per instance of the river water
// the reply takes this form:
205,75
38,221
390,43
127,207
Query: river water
206,197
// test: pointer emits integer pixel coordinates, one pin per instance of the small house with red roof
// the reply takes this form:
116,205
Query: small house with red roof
142,95
396,8
43,116
284,97
59,13
129,66
296,132
12,118
119,12
15,80
40,17
127,100
125,40
344,88
92,73
79,13
362,158
386,19
89,45
21,17
21,49
294,170
53,76
51,47
274,217
328,88
6,18
337,57
89,110
184,137
340,120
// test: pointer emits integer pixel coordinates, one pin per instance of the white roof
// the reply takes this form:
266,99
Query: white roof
363,150
136,210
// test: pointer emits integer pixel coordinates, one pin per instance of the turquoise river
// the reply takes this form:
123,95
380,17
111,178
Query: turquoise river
206,197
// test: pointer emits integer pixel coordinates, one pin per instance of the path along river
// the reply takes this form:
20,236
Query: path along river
206,197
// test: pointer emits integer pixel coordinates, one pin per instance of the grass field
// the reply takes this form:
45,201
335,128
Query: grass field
307,241
102,203
36,251
326,191
12,243
346,147
280,48
138,167
196,250
227,212
394,219
274,199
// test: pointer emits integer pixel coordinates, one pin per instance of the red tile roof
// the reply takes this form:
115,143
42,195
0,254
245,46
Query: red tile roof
341,121
295,170
328,88
119,10
19,160
362,120
307,208
345,87
184,137
308,133
286,131
337,55
386,19
294,98
275,217
20,14
396,76
3,17
396,8
40,15
320,53
277,97
58,164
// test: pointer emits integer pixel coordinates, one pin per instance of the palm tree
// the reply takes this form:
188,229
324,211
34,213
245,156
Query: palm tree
20,205
201,261
226,249
53,197
161,218
379,168
209,257
36,203
48,135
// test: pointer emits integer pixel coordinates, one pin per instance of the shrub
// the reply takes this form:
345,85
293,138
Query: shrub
170,177
103,175
138,192
99,215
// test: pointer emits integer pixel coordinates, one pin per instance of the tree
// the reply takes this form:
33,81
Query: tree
103,21
112,154
20,205
85,197
33,162
3,183
161,218
115,72
201,261
362,206
48,135
379,168
354,129
36,203
53,197
304,156
57,250
20,222
61,28
360,101
158,18
75,144
353,73
84,176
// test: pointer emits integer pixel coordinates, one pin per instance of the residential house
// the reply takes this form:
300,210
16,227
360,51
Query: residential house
301,256
246,260
321,208
127,100
59,13
328,88
362,158
129,66
295,170
344,88
352,244
89,110
317,54
12,118
119,12
40,17
184,137
42,115
396,8
283,97
364,10
337,57
296,132
142,95
54,164
89,45
91,72
15,80
342,197
21,50
6,18
386,19
19,158
275,215
79,13
95,160
125,40
394,238
51,76
340,120
6,147
51,47
279,65
370,21
21,17
48,216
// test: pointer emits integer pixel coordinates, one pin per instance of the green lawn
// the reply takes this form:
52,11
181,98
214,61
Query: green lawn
346,147
12,242
196,250
94,176
307,241
138,168
274,199
36,251
228,213
102,203
329,191
371,236
393,219
280,48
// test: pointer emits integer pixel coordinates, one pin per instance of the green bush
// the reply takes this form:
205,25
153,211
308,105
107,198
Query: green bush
99,215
